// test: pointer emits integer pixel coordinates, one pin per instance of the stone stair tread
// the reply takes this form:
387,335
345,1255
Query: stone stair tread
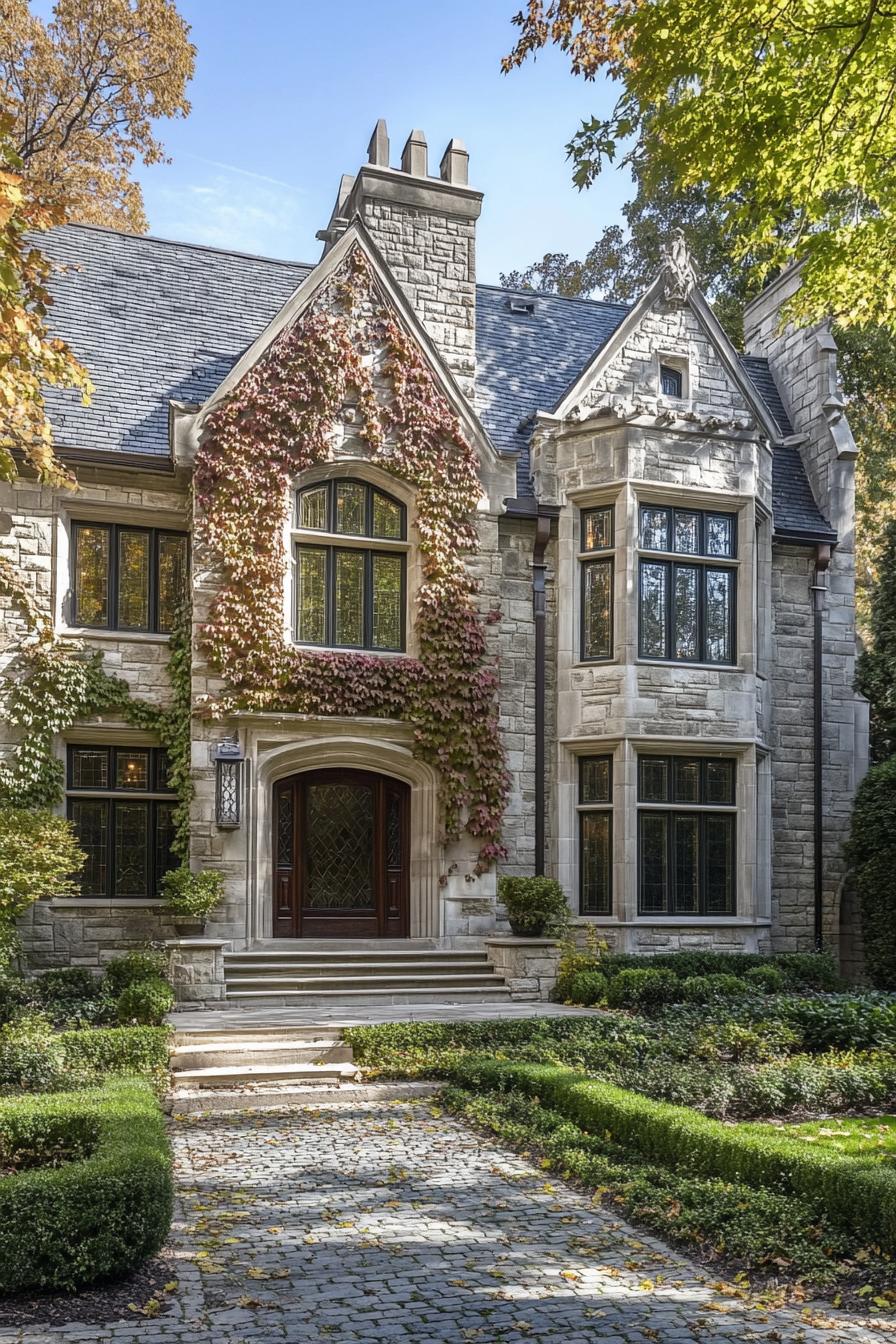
472,979
237,964
248,1042
366,991
325,1073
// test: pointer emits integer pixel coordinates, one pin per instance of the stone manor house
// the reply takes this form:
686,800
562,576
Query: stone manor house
665,572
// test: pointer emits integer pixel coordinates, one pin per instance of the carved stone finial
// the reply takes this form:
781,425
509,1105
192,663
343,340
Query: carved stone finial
378,149
680,271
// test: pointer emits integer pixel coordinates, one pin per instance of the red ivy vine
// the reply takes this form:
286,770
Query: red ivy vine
277,423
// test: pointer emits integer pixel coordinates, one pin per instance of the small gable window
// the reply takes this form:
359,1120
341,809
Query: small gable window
671,381
350,567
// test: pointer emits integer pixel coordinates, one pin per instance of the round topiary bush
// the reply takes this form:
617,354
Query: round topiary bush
585,988
32,1058
145,1003
536,906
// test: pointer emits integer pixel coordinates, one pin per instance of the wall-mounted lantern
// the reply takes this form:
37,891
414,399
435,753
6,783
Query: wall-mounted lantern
228,783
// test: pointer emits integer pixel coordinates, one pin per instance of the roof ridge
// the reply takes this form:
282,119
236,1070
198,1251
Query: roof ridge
549,294
181,242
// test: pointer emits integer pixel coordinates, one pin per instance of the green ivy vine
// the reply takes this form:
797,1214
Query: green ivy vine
58,682
347,358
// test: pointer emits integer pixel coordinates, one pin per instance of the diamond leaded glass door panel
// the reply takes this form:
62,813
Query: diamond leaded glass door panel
340,855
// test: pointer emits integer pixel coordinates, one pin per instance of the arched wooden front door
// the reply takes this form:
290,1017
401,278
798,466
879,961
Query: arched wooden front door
340,855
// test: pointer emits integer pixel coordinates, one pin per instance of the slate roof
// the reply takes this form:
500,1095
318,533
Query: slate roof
156,321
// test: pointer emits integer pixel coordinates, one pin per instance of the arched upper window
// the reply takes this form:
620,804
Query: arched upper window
350,567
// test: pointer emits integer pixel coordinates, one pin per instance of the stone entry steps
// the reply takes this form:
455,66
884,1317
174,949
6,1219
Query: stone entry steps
362,975
310,1056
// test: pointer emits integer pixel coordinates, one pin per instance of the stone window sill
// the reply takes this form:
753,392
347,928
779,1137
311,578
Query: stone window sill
118,636
678,922
104,903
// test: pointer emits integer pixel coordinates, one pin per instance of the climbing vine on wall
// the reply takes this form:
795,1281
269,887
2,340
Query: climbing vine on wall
57,682
347,360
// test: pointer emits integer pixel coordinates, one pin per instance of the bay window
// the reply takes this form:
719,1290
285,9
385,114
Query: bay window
350,590
596,562
686,835
686,595
595,835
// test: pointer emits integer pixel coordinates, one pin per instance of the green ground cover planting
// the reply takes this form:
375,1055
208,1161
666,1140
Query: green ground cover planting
868,1138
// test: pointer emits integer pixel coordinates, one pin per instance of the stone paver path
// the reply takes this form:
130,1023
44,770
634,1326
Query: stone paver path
386,1221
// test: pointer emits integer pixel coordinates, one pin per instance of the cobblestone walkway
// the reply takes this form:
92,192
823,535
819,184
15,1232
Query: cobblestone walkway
388,1222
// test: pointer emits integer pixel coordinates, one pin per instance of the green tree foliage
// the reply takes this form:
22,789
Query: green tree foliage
39,856
783,113
872,848
877,665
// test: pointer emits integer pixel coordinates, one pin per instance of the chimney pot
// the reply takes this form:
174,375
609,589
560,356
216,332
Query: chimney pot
455,163
378,149
414,155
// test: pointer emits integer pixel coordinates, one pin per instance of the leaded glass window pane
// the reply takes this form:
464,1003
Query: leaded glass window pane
92,576
349,598
720,783
653,779
313,509
132,770
90,768
339,847
131,849
719,606
654,609
685,625
387,601
172,577
597,529
351,508
594,779
686,861
165,859
720,534
595,857
687,780
597,609
654,529
162,768
670,381
393,831
90,819
687,532
719,845
387,517
133,580
653,862
311,596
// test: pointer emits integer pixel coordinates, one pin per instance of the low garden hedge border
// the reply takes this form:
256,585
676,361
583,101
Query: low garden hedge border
136,1051
861,1197
96,1216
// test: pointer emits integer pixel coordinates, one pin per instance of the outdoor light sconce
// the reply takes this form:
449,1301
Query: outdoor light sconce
228,781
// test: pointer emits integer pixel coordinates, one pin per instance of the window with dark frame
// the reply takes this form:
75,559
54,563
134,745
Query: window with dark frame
127,578
597,542
595,809
687,824
671,381
686,606
350,596
121,805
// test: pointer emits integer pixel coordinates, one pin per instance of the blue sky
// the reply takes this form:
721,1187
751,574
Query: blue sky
286,95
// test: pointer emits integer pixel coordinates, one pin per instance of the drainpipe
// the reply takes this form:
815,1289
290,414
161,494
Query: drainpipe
539,569
819,589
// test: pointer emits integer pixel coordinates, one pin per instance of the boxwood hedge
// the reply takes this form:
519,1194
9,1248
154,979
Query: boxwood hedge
90,1196
856,1195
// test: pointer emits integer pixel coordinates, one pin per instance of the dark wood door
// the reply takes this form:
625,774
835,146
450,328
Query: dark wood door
341,855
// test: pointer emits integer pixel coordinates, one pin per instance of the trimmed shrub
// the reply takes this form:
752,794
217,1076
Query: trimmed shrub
97,1215
872,848
536,906
766,979
643,989
584,987
145,1003
31,1057
706,988
801,970
13,997
132,1051
854,1194
132,967
809,970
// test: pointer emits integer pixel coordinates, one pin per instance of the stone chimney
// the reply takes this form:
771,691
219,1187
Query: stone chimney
426,229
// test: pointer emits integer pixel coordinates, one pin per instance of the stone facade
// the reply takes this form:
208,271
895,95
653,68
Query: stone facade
612,439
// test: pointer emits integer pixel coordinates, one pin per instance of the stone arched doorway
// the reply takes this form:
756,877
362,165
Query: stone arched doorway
341,853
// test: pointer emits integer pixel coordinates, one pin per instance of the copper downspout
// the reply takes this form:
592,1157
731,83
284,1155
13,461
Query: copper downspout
819,588
539,611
